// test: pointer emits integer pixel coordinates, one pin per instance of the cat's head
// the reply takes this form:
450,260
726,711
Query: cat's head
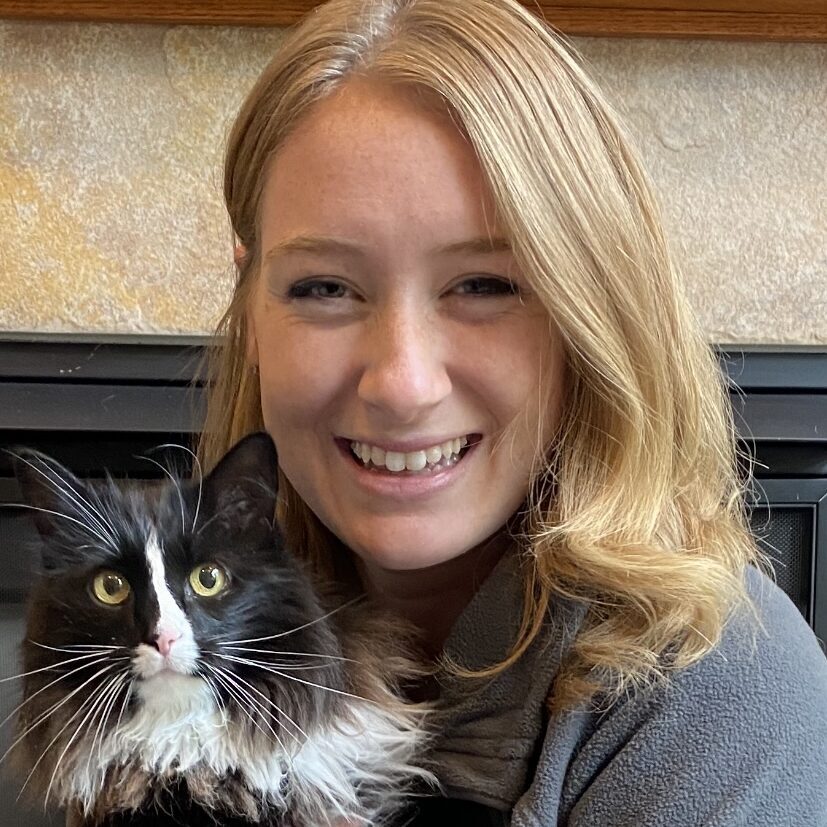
173,596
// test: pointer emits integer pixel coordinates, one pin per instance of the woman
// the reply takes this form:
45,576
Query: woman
456,314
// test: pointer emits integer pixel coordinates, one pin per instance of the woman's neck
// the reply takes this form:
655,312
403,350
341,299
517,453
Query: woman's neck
433,598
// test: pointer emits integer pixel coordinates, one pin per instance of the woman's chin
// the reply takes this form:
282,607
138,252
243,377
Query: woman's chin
412,551
407,558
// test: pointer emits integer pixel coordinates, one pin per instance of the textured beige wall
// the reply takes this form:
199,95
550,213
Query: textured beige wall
735,138
110,153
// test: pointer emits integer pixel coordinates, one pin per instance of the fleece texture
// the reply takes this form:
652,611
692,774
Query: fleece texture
737,740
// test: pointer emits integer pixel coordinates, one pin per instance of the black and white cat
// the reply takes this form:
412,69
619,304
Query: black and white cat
179,666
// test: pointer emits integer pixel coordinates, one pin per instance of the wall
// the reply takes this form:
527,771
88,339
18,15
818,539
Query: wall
110,173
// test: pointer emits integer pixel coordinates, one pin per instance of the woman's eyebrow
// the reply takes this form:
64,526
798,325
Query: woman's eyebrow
311,244
327,244
483,244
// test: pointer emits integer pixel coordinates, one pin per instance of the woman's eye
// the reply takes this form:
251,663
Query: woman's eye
318,289
208,580
487,286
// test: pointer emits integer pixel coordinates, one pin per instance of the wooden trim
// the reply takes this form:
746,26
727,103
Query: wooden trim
198,12
740,6
602,22
798,20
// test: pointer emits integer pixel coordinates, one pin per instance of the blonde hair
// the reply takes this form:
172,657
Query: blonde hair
636,509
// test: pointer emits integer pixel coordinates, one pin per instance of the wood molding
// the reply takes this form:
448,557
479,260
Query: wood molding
797,20
731,25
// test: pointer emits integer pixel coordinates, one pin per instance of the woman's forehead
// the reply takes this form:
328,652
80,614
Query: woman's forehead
368,123
365,158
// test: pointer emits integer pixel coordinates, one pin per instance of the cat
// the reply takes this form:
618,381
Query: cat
180,667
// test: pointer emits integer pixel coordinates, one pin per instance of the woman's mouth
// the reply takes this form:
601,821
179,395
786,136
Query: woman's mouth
426,461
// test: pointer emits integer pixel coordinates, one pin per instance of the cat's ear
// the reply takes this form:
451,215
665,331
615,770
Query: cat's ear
55,495
244,484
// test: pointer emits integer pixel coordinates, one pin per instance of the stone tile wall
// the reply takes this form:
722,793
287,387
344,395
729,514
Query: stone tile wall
110,173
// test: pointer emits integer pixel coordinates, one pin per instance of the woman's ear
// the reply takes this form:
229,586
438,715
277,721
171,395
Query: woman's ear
239,255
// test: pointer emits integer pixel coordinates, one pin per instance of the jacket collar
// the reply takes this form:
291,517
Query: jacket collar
490,730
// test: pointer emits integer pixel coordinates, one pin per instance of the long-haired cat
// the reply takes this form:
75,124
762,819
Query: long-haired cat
180,667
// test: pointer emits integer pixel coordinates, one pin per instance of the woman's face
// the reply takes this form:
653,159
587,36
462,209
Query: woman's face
393,331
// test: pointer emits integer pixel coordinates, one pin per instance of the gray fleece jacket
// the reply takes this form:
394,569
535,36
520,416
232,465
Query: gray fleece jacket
736,740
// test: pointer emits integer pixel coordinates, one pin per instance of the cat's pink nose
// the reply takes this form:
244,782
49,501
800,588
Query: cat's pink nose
164,640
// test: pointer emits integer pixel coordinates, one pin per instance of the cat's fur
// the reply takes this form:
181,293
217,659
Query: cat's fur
312,731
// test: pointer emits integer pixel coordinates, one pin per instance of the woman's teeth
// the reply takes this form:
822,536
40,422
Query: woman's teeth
437,456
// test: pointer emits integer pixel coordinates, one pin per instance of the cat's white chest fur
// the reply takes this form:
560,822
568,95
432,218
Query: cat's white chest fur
176,726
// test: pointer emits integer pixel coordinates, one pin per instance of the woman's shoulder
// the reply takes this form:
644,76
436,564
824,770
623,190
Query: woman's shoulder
769,660
780,657
770,663
741,732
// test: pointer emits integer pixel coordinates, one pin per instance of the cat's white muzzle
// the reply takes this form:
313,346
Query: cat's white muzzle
148,662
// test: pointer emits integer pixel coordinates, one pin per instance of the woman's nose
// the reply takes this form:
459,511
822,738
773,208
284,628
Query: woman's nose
404,371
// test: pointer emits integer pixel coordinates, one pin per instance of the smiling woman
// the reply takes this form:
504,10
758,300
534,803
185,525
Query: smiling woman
457,316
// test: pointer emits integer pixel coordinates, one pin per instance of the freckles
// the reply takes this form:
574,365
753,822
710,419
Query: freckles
299,379
516,355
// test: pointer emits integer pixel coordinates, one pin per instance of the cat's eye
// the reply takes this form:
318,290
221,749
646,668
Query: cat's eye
110,588
208,580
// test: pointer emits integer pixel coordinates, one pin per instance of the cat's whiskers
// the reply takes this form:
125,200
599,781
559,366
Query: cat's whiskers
122,677
274,652
63,516
216,696
93,694
48,685
43,689
269,668
101,523
51,667
43,716
130,686
200,476
297,628
269,701
112,697
100,695
287,755
72,647
173,480
280,711
225,678
290,667
231,680
36,723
